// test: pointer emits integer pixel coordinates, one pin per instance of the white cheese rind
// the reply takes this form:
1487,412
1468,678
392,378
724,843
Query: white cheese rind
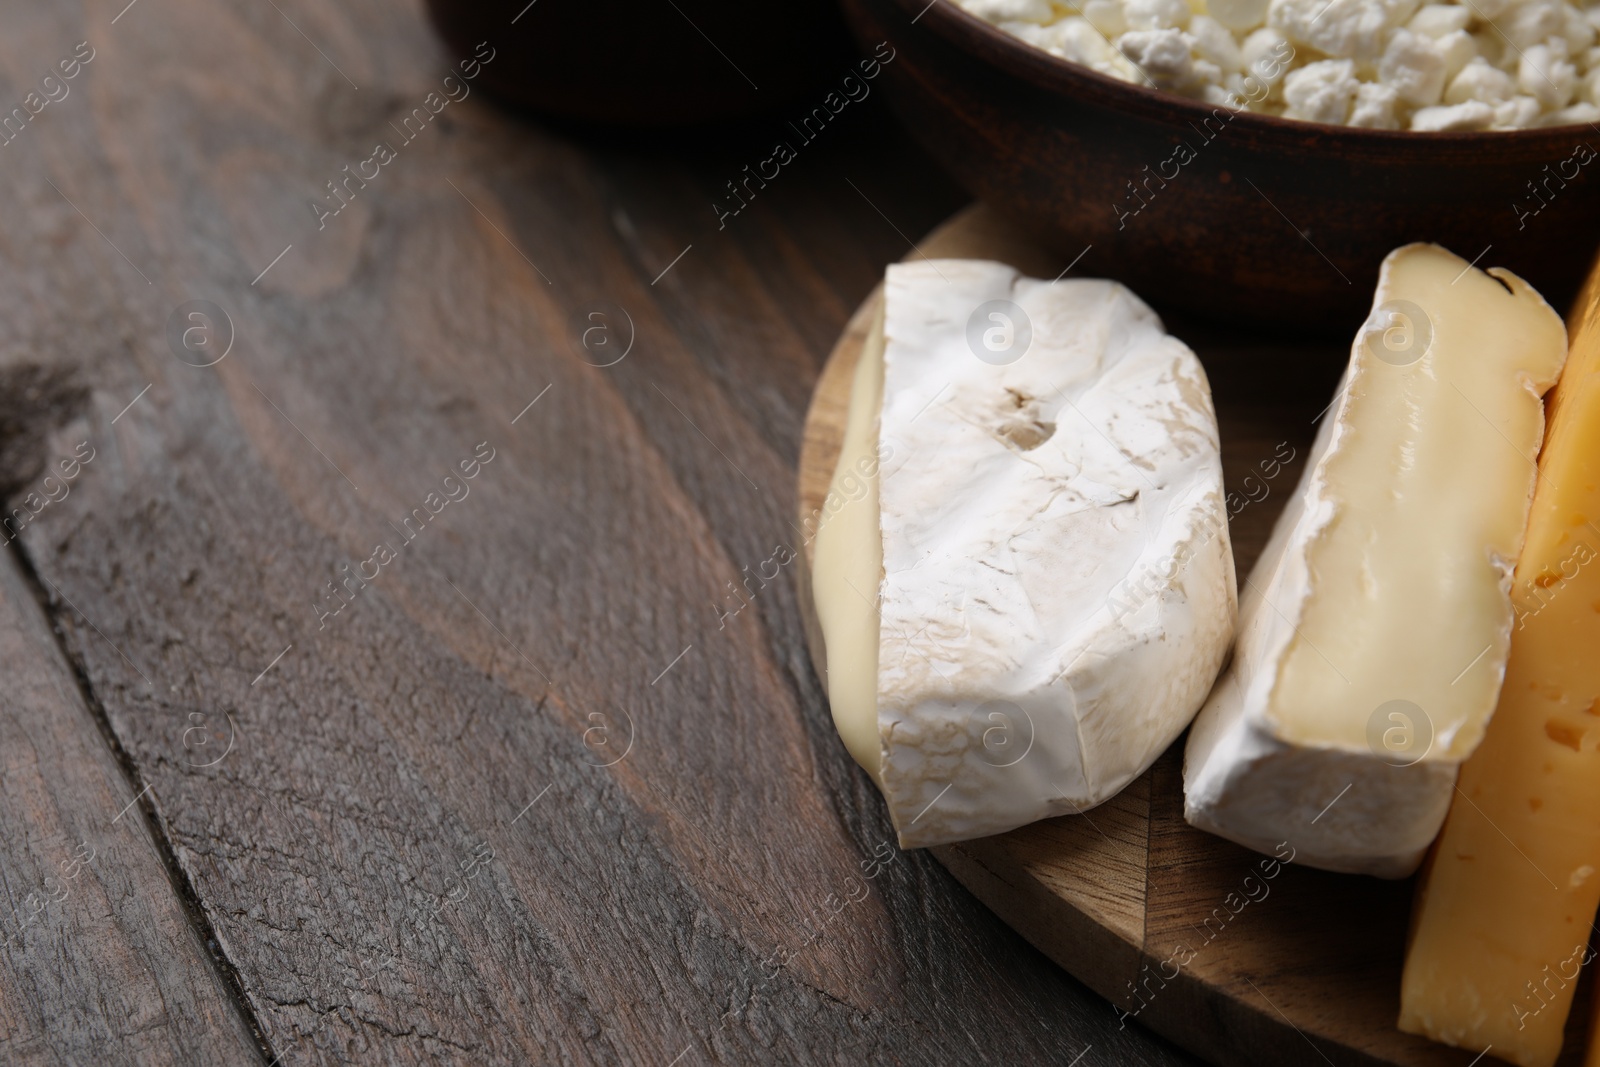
1058,589
1386,579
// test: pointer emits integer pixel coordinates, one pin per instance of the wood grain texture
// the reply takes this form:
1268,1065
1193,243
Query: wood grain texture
98,960
539,787
1186,932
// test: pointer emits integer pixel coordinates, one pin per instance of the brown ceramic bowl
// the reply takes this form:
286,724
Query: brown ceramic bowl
645,62
1274,222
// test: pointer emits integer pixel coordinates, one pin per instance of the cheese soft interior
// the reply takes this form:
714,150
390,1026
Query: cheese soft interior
1374,629
1026,589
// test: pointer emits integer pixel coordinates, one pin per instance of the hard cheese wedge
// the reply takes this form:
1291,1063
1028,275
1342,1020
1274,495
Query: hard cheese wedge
1373,630
1034,598
1501,927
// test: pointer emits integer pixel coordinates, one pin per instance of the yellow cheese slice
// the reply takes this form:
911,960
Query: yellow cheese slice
1504,906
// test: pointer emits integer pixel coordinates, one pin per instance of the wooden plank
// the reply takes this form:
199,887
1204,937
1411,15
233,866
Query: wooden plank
537,787
99,963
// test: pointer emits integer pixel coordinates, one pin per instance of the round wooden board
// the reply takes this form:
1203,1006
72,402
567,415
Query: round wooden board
1301,967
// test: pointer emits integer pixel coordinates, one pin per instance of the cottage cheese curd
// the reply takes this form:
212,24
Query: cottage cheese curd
1382,64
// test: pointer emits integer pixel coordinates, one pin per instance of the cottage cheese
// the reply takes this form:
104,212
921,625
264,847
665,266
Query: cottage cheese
1380,64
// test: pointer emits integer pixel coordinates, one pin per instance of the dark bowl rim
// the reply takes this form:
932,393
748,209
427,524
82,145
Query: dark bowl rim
1017,57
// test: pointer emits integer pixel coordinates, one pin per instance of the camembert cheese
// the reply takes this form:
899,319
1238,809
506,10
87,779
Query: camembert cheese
1374,629
1032,597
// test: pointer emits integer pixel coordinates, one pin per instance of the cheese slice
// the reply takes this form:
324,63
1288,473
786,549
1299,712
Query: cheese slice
1374,629
1034,597
1502,923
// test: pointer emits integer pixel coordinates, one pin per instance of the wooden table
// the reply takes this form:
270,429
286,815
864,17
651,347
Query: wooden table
379,693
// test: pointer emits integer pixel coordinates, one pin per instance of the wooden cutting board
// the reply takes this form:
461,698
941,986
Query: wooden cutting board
1239,959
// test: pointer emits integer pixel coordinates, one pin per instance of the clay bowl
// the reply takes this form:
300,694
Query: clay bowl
1272,222
645,62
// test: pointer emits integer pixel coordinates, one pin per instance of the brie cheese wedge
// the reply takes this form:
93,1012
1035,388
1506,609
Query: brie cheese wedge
1025,583
1374,629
